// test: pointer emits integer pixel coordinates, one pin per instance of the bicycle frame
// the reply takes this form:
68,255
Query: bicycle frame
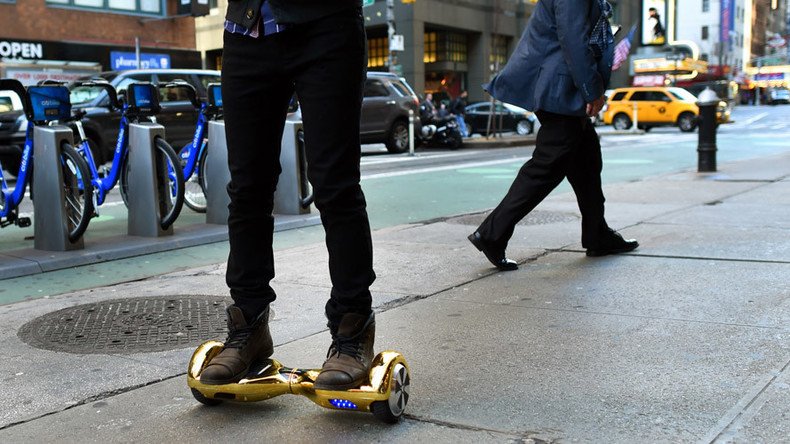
14,198
103,185
192,151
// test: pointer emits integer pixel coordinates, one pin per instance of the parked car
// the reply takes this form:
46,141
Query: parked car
13,125
656,106
514,119
778,95
178,115
386,102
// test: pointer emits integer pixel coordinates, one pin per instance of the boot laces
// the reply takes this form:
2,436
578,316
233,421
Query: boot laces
347,347
238,338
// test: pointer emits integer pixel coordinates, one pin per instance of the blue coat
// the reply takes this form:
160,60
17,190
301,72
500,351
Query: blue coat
553,68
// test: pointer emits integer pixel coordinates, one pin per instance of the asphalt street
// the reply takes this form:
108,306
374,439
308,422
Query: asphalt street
404,189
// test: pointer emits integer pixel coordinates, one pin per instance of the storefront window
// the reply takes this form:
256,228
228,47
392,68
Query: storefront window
378,52
445,47
498,56
150,5
454,49
133,6
429,56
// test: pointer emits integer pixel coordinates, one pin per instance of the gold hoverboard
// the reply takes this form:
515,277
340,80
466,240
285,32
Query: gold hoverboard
385,394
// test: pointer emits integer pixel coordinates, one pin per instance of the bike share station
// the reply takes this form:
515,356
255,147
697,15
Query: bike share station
52,248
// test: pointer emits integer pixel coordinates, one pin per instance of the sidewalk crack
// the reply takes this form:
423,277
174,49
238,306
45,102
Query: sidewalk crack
531,437
743,411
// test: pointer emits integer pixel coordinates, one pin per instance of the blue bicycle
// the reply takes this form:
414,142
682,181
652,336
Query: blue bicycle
170,181
44,104
193,155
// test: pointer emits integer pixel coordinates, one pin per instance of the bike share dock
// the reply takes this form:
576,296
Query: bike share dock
115,234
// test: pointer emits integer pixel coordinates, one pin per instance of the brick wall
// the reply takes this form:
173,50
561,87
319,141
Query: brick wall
35,20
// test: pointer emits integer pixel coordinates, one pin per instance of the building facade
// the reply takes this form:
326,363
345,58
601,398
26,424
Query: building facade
64,39
449,45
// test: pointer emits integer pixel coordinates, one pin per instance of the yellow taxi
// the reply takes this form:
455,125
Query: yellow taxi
655,106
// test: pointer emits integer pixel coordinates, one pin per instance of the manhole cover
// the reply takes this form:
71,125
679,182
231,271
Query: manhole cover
533,218
134,325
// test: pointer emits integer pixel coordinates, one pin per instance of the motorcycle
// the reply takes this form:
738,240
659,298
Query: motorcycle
440,131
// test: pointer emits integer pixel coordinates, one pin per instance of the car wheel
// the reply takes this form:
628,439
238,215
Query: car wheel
523,127
687,122
398,138
621,122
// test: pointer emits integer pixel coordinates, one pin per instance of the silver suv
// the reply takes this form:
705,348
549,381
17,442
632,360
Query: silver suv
386,102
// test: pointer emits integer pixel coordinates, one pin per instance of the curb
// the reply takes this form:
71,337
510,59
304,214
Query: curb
30,261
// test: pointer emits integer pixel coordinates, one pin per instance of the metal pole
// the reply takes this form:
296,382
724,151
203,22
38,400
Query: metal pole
757,88
137,51
390,32
635,127
411,132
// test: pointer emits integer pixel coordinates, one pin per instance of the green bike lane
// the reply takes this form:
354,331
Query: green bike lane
403,197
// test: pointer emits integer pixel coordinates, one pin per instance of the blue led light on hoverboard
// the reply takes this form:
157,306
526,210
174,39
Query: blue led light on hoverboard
343,404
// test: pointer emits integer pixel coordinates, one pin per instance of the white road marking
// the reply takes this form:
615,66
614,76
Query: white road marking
755,118
418,157
444,168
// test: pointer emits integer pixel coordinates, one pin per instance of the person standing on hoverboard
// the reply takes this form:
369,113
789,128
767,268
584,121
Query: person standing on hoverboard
560,69
317,49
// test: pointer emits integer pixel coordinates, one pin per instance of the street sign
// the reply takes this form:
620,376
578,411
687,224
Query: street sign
367,2
396,43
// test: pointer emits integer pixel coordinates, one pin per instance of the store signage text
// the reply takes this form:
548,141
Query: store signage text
128,60
26,50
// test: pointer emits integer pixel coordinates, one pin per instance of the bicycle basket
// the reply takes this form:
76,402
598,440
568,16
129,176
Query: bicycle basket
143,99
215,95
50,102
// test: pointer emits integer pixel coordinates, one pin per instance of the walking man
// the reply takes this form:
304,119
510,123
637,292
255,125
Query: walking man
458,108
316,48
560,69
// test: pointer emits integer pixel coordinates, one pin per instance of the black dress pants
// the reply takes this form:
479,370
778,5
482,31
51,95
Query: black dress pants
324,62
567,146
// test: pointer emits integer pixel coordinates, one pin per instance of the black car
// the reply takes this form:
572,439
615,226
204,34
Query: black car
178,115
12,131
514,119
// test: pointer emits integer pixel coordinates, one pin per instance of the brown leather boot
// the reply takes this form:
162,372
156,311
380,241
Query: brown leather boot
349,357
246,345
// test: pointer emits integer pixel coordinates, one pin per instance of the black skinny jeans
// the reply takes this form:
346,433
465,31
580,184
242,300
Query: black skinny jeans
324,62
566,146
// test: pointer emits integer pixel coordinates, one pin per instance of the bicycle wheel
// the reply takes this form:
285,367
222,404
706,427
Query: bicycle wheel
169,182
77,191
194,192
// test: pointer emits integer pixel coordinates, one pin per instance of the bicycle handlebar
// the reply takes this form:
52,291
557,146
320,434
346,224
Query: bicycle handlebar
17,87
181,84
103,84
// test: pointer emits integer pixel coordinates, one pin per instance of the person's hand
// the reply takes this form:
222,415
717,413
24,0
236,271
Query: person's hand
595,106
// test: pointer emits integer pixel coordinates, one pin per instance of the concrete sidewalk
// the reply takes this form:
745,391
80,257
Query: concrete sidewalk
687,339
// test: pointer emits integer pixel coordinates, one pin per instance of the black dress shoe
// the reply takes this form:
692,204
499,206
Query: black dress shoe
495,256
613,243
